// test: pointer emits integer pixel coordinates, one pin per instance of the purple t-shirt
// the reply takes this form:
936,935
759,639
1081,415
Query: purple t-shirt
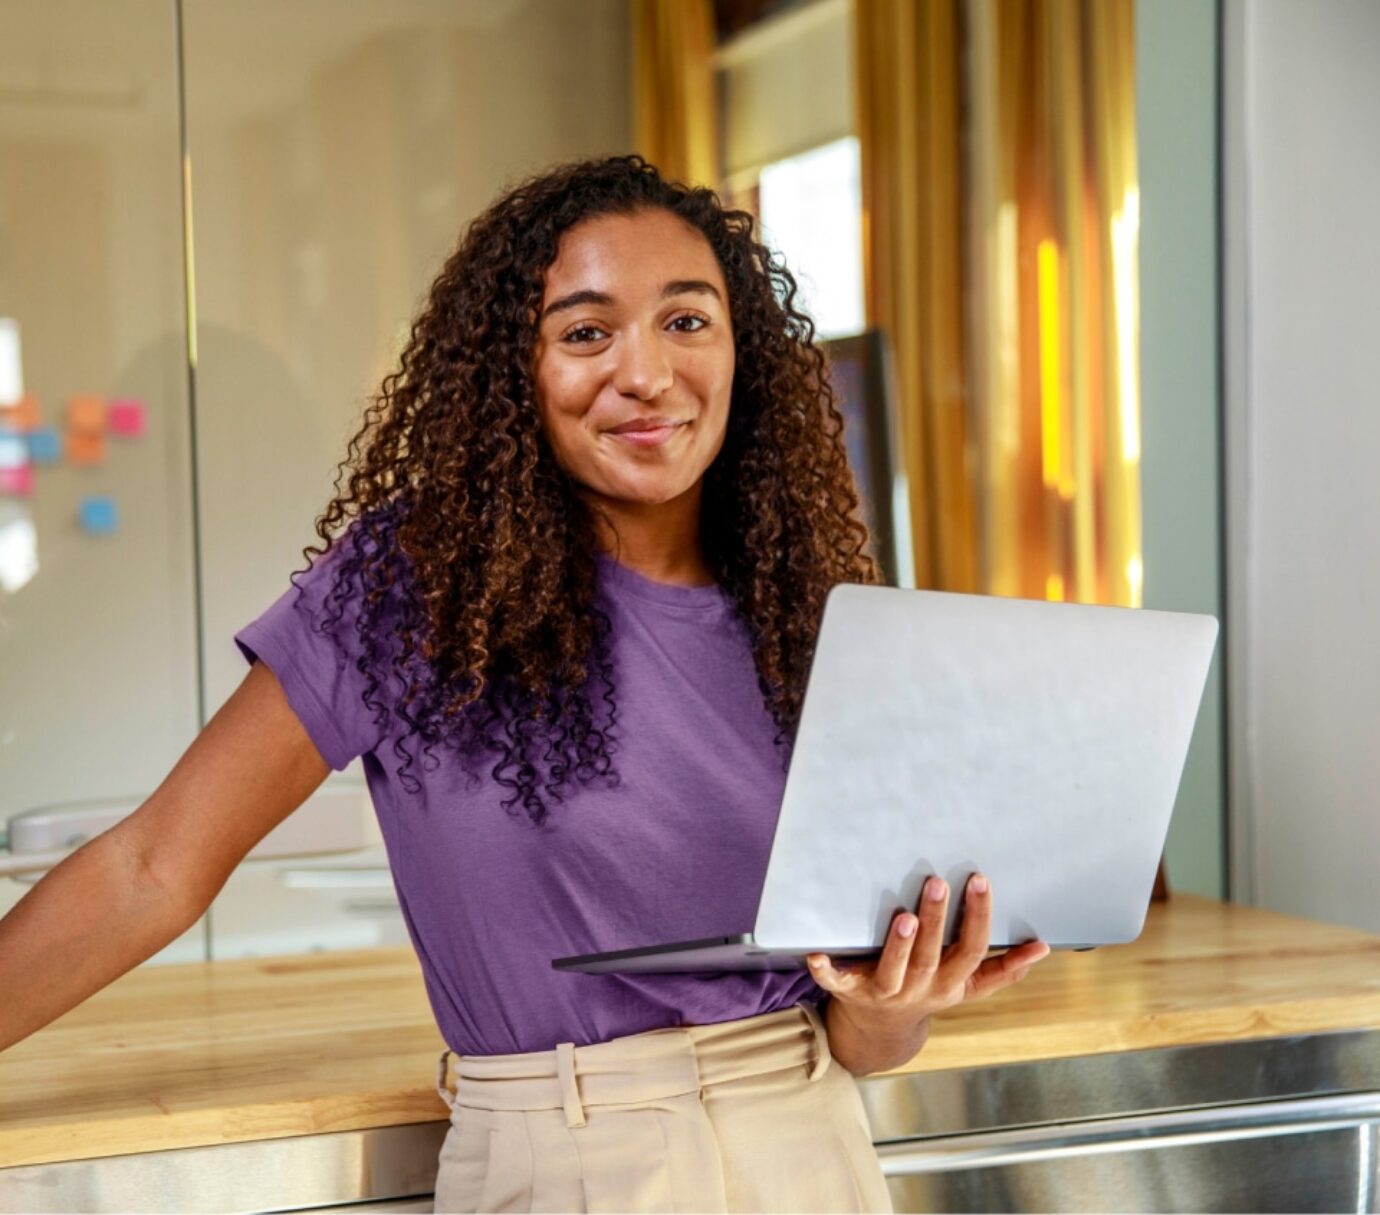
677,850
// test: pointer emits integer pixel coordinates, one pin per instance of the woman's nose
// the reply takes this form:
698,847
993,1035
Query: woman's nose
643,369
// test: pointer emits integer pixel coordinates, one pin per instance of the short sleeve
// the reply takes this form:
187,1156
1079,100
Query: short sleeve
318,671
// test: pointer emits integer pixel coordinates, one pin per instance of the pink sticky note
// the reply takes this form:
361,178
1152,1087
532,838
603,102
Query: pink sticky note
126,417
17,482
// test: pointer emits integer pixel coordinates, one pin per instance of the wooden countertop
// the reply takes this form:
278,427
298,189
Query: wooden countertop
221,1052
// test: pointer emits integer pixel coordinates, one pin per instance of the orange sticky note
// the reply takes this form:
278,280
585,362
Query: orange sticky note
86,413
84,447
24,415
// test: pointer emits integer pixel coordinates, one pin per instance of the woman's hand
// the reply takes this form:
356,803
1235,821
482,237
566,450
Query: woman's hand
893,997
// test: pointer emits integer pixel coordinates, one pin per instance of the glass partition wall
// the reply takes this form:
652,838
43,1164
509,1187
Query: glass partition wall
99,661
216,223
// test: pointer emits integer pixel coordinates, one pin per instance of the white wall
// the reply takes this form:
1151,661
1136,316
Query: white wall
1177,146
1303,435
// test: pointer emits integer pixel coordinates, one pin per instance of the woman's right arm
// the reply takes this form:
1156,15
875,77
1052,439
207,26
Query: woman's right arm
124,895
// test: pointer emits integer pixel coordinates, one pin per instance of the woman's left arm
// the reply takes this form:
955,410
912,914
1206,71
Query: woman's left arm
878,1013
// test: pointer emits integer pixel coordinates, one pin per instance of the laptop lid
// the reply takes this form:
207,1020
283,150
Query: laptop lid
1041,743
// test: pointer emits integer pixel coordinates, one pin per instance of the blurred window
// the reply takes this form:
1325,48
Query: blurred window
810,206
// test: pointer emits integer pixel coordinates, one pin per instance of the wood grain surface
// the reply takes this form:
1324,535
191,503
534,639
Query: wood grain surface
221,1052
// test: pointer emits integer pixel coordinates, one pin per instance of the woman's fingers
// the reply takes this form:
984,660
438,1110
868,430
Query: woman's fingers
947,976
844,982
1011,967
890,974
1027,953
929,939
914,964
971,946
894,970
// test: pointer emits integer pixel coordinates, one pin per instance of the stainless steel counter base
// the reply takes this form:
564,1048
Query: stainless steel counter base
1294,1156
1281,1124
294,1174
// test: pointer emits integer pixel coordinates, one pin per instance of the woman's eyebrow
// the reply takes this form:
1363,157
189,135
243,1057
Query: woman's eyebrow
679,286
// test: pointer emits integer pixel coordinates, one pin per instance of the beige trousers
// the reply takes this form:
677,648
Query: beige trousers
745,1115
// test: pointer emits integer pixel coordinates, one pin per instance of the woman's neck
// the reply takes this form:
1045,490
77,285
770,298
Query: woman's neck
660,541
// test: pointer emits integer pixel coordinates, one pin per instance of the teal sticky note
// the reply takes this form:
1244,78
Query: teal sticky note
44,445
98,515
14,452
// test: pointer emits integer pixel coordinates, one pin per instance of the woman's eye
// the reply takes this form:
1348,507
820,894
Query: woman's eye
573,335
574,338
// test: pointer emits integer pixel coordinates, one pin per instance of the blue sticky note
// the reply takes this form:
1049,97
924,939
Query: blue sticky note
14,452
44,445
98,515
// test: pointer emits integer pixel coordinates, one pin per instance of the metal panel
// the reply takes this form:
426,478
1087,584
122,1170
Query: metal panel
266,1175
1128,1082
1327,1169
1283,1124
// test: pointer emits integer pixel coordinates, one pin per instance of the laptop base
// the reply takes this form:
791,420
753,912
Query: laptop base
737,952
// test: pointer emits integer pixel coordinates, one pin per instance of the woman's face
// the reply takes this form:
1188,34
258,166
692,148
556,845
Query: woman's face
634,356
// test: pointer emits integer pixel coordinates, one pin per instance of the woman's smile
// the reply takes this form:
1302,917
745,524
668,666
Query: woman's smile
650,432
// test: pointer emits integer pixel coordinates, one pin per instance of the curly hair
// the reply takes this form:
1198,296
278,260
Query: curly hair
455,497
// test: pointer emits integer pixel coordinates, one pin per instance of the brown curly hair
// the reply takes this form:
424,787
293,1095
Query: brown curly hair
456,499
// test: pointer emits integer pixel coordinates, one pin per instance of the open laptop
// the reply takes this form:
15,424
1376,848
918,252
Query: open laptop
1040,743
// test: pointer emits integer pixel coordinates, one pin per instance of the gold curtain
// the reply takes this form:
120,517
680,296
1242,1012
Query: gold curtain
675,116
1001,215
907,58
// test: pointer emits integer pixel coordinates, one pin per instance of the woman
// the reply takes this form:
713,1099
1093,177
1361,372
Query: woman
592,519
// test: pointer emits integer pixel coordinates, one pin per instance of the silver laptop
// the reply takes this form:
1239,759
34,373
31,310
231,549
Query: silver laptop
1040,743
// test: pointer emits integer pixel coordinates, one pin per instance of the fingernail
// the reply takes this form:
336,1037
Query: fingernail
907,926
978,885
935,889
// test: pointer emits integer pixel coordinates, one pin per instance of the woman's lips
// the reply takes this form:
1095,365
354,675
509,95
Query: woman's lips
653,436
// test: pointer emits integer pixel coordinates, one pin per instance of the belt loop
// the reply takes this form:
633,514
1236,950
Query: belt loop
570,1091
822,1053
441,1088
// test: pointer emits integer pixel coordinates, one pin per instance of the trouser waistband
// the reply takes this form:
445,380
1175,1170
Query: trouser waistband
639,1067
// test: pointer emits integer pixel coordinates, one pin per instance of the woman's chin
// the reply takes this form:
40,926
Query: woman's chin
643,491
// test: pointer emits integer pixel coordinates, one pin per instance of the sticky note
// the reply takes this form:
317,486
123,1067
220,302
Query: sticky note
127,417
45,447
14,451
84,448
24,414
98,515
17,482
86,413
